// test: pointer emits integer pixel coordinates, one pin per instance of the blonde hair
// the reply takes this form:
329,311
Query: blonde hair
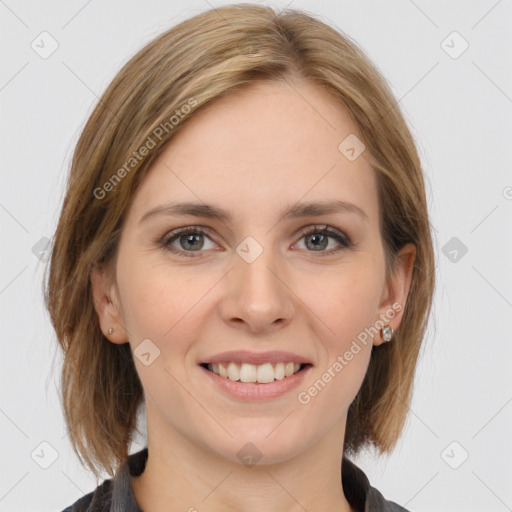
194,63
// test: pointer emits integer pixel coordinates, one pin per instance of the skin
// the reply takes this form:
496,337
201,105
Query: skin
270,145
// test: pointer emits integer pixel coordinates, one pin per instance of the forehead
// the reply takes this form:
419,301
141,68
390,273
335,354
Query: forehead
267,145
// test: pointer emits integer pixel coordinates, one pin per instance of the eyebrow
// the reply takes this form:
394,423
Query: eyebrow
295,211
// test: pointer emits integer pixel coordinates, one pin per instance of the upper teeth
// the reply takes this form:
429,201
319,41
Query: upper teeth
246,372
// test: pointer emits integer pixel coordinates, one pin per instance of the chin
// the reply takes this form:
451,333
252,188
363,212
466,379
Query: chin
261,448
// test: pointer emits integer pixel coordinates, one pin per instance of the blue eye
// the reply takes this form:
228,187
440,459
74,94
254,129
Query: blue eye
320,238
191,240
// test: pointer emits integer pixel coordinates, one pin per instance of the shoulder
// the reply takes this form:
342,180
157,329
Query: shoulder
360,493
116,493
376,501
98,500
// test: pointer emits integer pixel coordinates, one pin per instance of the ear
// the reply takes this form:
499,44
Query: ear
107,304
396,290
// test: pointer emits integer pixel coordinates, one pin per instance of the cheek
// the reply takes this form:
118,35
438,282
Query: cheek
348,300
164,307
159,303
346,308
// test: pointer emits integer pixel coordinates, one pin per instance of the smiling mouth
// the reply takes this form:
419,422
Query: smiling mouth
260,374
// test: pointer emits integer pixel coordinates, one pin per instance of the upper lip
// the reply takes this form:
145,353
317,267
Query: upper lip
245,356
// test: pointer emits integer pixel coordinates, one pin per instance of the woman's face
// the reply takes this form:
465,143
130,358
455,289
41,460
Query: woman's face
253,280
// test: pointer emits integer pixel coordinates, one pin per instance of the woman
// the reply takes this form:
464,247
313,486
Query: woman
244,250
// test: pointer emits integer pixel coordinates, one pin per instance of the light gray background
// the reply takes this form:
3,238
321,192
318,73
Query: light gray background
459,110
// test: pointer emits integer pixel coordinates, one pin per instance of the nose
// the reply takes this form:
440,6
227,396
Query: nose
258,297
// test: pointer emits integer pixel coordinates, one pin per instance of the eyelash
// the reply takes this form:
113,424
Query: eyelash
165,242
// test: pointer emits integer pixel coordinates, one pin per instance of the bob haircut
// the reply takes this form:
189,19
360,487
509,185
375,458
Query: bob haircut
156,93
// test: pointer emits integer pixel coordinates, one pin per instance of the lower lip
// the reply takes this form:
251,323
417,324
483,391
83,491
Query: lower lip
255,391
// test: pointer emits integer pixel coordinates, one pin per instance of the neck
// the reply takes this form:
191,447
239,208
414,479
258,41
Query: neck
182,475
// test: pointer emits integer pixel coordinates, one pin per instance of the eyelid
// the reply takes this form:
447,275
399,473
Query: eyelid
332,232
341,237
174,234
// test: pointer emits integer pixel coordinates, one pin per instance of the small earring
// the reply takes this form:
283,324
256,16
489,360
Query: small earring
111,330
387,333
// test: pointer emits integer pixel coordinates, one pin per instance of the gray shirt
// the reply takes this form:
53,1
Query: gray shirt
116,495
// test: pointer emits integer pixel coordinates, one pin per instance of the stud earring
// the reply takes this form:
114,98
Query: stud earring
387,333
111,330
